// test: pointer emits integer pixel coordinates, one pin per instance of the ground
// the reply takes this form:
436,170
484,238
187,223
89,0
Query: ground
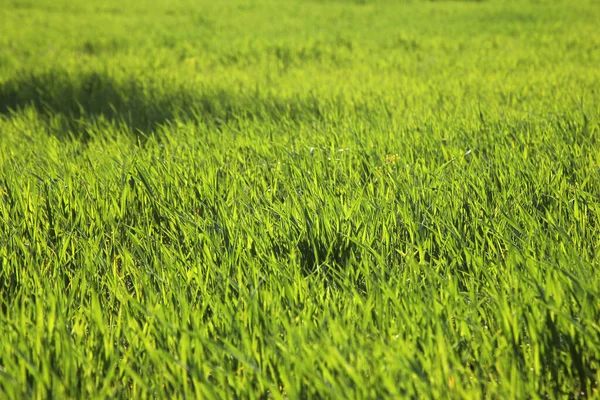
299,199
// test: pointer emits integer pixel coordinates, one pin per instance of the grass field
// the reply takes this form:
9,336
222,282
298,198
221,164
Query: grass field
299,199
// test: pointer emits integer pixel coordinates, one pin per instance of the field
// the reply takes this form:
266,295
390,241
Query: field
300,199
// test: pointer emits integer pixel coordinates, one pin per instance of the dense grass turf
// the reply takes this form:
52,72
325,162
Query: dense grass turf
303,198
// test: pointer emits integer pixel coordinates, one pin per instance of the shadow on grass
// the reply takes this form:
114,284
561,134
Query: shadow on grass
85,101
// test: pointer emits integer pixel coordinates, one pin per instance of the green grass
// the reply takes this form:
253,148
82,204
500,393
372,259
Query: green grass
300,199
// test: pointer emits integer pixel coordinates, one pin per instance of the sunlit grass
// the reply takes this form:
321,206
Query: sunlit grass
276,199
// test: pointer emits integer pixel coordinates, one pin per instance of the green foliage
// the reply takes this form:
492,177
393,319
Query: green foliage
329,199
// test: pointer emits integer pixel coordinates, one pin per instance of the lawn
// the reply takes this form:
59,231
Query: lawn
300,199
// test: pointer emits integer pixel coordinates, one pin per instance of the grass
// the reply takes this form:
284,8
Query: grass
300,199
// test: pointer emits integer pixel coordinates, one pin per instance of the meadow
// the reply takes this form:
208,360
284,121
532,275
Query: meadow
300,199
